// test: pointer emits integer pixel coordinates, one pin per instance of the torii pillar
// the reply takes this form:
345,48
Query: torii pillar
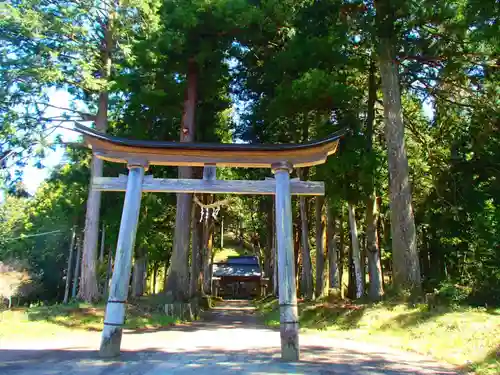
118,292
289,320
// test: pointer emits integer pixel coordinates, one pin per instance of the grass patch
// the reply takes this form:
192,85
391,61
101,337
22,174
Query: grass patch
231,248
466,337
46,321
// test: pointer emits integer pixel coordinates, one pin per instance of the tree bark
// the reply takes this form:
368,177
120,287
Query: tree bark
108,272
372,244
363,261
103,238
341,250
89,290
268,258
355,250
320,252
207,250
139,273
76,274
70,265
177,281
406,267
307,279
155,275
376,290
380,246
424,258
296,250
332,237
195,281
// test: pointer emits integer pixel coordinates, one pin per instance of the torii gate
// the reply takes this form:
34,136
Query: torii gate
138,155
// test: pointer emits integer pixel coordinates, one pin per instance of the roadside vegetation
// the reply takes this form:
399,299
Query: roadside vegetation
47,321
463,336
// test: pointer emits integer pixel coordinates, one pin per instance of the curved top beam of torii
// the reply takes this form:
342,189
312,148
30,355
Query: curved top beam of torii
123,150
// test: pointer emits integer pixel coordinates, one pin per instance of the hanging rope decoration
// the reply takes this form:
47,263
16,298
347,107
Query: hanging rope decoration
215,207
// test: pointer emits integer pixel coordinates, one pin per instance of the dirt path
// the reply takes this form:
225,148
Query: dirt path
229,340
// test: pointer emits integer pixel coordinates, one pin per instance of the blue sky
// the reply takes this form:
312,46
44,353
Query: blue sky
33,176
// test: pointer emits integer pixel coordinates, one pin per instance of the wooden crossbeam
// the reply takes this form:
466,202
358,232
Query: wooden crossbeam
169,185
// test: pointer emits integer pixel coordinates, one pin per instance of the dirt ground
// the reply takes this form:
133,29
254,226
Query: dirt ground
227,340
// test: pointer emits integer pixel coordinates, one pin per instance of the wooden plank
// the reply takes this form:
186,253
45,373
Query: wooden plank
209,172
166,185
289,321
118,291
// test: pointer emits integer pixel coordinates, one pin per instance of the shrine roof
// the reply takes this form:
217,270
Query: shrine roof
123,150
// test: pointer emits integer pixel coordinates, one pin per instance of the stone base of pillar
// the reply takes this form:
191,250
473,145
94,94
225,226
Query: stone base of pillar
110,342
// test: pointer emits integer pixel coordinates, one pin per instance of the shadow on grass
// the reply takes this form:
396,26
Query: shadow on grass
314,315
90,318
410,319
345,316
69,316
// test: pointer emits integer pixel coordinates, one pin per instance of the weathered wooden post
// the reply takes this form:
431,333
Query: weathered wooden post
115,308
289,322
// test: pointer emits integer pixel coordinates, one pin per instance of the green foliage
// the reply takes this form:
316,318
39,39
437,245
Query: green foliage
453,294
465,337
60,320
268,72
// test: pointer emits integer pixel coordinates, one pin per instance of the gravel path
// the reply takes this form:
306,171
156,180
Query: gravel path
227,341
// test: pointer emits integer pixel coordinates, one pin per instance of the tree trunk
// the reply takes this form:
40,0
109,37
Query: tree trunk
424,258
139,273
331,235
296,251
103,237
155,275
362,261
372,244
177,281
195,281
89,290
207,250
108,273
76,274
373,251
355,250
268,259
406,267
380,247
307,279
70,265
320,252
341,250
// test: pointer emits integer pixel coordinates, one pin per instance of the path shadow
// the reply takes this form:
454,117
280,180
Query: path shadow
317,360
230,314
